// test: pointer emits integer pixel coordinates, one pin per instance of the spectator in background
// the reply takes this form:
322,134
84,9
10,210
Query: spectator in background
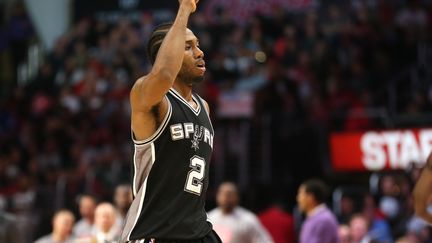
358,228
378,227
346,209
344,234
321,224
9,231
279,224
23,201
63,222
105,229
417,228
388,204
233,223
87,206
122,202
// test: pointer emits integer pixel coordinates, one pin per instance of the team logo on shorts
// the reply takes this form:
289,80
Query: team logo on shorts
197,137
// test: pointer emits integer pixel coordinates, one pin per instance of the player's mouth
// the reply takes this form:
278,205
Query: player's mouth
201,65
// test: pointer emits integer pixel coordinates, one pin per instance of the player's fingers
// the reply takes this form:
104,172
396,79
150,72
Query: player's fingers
428,218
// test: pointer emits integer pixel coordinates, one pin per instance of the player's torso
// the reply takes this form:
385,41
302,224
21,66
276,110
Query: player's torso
174,195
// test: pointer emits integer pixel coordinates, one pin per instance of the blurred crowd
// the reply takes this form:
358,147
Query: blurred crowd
382,213
67,132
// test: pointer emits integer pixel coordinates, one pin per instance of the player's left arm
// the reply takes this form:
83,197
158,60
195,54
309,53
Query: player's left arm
423,191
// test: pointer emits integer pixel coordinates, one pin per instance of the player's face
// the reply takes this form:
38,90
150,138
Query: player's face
193,66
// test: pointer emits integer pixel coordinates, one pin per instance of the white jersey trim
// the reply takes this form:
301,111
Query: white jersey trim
207,112
134,190
158,131
179,97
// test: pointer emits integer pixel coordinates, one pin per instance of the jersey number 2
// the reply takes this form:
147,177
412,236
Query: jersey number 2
195,176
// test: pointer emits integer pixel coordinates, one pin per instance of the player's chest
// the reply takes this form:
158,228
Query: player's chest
187,128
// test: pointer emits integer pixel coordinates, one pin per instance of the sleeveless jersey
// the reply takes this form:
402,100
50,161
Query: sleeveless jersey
170,175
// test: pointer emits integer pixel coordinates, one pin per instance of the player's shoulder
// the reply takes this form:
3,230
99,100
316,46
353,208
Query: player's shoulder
139,82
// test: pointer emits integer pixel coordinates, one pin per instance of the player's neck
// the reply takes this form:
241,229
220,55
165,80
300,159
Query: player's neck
183,89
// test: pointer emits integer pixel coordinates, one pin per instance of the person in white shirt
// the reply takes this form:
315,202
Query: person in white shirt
63,222
233,223
122,201
84,226
105,229
359,229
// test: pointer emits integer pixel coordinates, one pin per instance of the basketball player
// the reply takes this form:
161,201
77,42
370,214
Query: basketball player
173,139
423,192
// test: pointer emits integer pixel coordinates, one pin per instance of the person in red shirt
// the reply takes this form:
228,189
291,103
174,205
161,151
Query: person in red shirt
279,224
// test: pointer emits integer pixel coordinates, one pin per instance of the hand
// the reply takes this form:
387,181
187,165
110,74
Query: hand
422,193
421,202
190,4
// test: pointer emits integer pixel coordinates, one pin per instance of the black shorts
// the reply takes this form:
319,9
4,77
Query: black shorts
211,237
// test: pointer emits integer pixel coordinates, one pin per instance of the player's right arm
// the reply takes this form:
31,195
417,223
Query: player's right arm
423,192
148,92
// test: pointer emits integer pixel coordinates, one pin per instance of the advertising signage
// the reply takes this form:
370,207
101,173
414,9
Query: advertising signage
380,150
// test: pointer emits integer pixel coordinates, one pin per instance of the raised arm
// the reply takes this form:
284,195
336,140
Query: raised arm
147,94
423,192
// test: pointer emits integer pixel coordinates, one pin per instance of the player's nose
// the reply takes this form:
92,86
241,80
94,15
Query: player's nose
199,53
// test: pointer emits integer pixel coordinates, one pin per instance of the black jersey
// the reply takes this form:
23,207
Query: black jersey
170,176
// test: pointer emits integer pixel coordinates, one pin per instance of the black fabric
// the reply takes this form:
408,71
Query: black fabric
212,237
169,210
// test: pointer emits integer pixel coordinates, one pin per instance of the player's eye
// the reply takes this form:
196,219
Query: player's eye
188,47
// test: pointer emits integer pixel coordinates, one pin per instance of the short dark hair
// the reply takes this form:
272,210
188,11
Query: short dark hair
155,40
317,188
86,195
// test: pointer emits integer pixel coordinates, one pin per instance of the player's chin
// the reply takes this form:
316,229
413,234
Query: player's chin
198,79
